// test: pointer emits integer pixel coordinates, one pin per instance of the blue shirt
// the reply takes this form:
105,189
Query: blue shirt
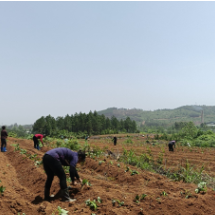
65,156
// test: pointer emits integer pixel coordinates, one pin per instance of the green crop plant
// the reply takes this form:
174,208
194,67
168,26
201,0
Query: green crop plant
143,196
160,158
85,182
137,198
201,187
23,151
60,211
120,203
128,141
91,204
118,165
32,157
134,172
101,162
2,189
113,202
66,169
99,200
17,148
127,169
163,150
163,193
149,151
38,163
86,147
186,193
146,158
68,179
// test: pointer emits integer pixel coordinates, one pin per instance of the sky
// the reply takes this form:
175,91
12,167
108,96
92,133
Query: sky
60,58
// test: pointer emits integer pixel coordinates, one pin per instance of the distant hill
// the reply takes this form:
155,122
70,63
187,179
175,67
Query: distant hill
164,117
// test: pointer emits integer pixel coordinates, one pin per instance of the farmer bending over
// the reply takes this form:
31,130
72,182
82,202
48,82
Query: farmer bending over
171,144
53,161
36,141
3,139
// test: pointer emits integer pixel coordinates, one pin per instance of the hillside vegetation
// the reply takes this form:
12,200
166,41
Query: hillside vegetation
164,117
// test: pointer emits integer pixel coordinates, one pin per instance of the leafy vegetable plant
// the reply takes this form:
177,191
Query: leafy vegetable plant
60,211
133,172
201,187
101,162
91,204
163,193
85,182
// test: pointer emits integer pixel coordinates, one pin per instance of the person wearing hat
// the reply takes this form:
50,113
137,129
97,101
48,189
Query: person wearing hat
53,161
4,136
36,141
171,144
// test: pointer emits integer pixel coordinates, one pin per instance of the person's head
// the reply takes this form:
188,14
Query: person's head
3,127
81,156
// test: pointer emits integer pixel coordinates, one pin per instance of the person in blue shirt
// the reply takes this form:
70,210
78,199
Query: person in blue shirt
53,161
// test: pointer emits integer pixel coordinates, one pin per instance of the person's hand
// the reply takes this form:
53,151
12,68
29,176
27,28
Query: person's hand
79,180
74,183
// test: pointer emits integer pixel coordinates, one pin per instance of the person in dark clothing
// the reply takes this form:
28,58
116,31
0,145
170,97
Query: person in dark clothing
53,161
36,141
171,145
114,141
4,136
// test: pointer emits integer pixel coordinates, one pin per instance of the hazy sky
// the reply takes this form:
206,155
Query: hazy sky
59,58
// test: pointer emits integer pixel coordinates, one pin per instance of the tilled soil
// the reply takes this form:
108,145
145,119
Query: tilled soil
25,182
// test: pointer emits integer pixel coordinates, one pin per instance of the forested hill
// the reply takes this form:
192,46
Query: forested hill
164,117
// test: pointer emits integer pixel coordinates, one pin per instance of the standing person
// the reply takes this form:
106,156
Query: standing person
171,144
4,136
36,141
53,161
114,141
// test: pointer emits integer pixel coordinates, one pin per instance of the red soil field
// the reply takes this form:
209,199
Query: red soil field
25,182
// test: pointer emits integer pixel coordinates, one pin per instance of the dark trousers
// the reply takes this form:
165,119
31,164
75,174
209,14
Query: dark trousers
171,148
53,167
36,142
3,142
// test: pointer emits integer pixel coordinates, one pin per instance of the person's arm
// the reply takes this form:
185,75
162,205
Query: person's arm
41,140
74,174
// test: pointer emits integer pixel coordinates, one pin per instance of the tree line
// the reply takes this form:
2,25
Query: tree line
91,123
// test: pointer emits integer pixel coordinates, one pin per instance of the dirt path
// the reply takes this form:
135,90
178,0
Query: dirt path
24,184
